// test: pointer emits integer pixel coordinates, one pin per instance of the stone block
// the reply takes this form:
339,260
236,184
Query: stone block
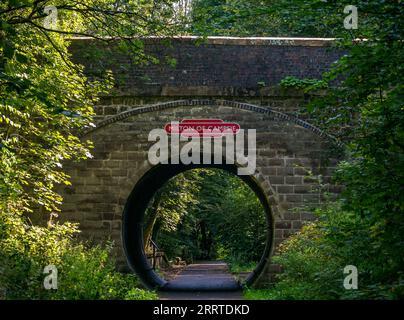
284,189
294,198
283,225
303,189
294,180
274,180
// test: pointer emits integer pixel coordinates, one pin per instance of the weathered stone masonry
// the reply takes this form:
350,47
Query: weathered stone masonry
226,78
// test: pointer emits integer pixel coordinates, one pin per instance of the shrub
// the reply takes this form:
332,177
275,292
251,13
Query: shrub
313,261
83,272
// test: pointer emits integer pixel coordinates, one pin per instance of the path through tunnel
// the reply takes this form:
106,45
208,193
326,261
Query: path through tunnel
200,231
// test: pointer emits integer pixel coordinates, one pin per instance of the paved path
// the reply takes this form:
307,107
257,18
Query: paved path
208,280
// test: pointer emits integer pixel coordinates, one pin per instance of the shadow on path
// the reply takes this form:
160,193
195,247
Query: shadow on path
208,280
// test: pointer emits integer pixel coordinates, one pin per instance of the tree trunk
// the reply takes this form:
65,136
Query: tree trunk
203,240
148,229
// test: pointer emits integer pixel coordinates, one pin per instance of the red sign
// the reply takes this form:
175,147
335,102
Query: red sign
202,127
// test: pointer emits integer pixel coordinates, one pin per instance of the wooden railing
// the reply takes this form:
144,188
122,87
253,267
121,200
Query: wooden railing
156,253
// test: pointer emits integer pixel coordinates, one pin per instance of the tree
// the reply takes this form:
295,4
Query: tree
206,213
170,204
236,18
363,107
365,110
45,98
45,101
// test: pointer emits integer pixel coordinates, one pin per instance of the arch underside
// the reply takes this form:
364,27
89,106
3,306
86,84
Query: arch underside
133,219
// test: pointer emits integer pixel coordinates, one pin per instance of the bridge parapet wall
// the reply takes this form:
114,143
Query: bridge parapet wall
216,66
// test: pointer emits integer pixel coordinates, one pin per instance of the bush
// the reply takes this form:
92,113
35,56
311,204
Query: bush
236,266
83,272
313,261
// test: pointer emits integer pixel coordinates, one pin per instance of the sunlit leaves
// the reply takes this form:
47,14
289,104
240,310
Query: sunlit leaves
45,98
205,203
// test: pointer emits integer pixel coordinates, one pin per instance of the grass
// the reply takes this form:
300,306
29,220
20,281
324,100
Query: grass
238,267
259,294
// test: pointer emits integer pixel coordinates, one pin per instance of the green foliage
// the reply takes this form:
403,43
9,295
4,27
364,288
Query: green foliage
313,261
240,221
364,108
219,217
366,111
45,101
258,294
45,98
236,266
235,18
167,211
306,84
300,18
268,18
83,272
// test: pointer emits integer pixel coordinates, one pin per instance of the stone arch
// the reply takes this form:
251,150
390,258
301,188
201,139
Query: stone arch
132,226
261,181
273,115
101,185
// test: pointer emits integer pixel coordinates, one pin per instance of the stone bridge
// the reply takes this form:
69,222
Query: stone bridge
234,79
